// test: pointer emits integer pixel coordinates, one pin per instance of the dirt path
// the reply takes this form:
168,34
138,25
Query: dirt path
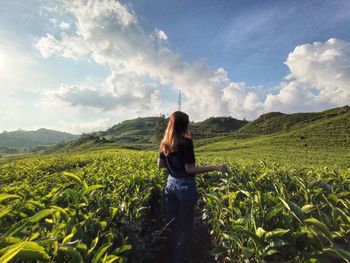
200,246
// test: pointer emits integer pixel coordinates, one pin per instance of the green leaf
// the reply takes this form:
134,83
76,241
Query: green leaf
100,252
72,252
17,227
262,176
123,248
344,254
320,226
307,208
297,212
40,215
82,247
11,253
11,240
68,237
36,203
5,211
9,196
271,251
276,233
30,251
284,203
294,209
73,176
260,232
92,187
93,245
113,258
277,243
274,211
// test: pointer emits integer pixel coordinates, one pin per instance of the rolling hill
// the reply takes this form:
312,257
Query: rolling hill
216,126
322,138
142,130
274,122
139,133
287,136
28,139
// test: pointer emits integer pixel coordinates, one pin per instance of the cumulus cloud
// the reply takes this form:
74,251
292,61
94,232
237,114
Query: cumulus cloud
64,25
110,34
124,94
319,78
68,47
86,127
81,96
141,66
161,34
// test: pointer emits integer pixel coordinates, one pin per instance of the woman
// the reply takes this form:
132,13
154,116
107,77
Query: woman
177,155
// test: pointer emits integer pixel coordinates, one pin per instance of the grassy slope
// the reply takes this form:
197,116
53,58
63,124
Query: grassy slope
274,122
145,126
313,139
139,134
325,141
216,125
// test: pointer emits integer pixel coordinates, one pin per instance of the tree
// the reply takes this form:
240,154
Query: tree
159,128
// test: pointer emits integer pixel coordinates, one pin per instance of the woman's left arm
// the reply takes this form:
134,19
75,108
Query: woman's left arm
161,163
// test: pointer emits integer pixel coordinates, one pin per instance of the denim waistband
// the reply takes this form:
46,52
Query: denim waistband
188,179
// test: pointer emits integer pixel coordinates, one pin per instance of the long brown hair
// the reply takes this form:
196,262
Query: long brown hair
177,127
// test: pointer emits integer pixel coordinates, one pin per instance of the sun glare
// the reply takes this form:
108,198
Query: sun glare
2,61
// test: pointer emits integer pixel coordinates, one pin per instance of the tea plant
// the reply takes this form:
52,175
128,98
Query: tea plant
85,207
105,206
262,214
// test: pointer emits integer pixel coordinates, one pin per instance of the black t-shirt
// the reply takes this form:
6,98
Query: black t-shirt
177,159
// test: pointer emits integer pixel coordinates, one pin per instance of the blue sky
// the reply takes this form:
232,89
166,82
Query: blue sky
246,36
62,69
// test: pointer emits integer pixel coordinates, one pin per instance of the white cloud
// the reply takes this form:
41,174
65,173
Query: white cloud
79,96
68,47
243,101
319,78
161,34
142,66
85,127
64,25
125,93
109,32
53,21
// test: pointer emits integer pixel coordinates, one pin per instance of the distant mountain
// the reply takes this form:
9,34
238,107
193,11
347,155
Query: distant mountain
318,127
217,125
141,128
274,122
27,139
138,126
140,133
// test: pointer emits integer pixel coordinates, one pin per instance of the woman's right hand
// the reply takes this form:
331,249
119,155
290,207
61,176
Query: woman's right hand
222,167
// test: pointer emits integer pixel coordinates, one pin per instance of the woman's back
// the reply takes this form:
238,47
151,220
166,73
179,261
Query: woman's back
177,159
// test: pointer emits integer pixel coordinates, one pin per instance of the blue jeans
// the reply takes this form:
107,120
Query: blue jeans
180,200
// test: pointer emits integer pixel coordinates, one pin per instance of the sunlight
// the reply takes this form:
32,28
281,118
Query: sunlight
2,61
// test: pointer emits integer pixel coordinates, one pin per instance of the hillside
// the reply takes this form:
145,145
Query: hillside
324,141
139,133
216,126
138,126
28,139
274,122
142,129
